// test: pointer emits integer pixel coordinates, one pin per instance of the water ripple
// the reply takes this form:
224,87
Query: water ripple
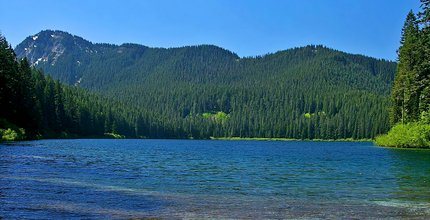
211,179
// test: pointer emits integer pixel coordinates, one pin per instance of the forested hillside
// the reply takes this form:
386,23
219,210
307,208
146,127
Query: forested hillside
36,106
202,91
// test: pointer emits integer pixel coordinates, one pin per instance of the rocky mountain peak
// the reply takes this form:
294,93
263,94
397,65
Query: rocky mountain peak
48,46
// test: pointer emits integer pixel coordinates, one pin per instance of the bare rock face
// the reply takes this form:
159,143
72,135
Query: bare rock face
45,49
76,61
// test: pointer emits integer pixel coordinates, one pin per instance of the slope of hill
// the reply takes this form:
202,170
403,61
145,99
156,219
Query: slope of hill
35,106
202,91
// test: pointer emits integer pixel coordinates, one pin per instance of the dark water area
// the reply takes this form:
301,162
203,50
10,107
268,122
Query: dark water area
188,179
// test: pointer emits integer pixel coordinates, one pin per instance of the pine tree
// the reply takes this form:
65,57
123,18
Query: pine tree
423,68
27,114
8,79
404,94
425,14
411,91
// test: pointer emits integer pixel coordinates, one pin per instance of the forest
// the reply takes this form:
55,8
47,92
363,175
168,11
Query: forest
410,97
205,91
36,106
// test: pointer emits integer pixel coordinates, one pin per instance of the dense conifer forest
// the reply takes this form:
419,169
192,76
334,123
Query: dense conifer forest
34,105
204,91
410,111
308,92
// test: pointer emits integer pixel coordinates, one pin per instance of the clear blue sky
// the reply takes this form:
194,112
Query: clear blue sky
246,27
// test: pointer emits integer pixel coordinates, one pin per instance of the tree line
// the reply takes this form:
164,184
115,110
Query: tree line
310,92
410,111
34,105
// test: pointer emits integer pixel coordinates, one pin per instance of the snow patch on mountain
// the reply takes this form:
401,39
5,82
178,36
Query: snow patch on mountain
37,61
78,82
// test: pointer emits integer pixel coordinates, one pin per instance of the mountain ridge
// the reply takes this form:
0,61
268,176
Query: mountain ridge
48,52
332,88
48,31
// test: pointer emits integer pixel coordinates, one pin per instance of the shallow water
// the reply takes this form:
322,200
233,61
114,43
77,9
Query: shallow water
185,179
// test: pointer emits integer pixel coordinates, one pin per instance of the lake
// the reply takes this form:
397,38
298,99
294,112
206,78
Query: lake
190,179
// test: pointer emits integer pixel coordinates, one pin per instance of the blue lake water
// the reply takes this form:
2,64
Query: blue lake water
186,179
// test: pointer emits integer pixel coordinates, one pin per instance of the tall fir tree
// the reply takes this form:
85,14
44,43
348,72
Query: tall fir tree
8,79
424,51
404,93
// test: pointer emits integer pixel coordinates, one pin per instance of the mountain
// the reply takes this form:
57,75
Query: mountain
205,90
35,106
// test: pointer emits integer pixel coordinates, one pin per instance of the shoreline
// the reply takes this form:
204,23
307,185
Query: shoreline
108,137
290,139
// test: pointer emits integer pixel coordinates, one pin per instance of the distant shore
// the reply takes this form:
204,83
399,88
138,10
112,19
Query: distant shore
118,136
289,139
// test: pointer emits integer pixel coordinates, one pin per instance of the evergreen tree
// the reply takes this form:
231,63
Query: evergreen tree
404,94
181,92
8,79
43,106
411,91
424,66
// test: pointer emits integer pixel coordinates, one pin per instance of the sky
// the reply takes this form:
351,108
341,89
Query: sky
246,27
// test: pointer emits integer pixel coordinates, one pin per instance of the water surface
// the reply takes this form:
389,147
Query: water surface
185,179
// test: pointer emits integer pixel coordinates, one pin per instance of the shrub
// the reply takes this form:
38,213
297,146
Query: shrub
416,135
12,135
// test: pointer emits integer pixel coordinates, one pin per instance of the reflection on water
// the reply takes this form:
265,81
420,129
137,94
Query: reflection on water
211,179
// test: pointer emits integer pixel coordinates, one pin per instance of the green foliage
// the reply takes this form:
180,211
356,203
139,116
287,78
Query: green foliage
411,135
219,117
290,139
44,107
404,93
12,135
114,136
10,132
425,117
411,89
